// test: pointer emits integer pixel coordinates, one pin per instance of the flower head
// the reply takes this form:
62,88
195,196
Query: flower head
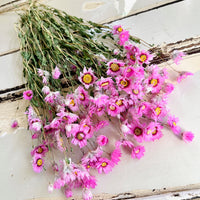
28,95
87,77
102,140
56,73
114,67
14,124
37,163
117,29
123,37
104,165
172,121
138,152
187,136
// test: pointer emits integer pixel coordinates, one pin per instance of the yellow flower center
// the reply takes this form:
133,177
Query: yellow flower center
154,132
82,97
119,103
143,58
174,123
65,118
129,70
39,162
99,109
104,164
88,166
40,150
154,82
125,83
80,136
104,84
72,102
76,173
158,110
28,94
132,57
135,91
138,131
137,151
143,107
120,29
114,67
112,107
87,78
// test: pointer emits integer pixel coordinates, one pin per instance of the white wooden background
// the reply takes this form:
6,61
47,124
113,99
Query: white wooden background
169,165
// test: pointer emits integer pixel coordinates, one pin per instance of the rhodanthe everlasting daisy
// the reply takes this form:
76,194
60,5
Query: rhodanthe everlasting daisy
153,131
28,95
102,140
123,37
87,77
117,29
187,136
104,165
172,121
56,73
138,152
38,163
144,57
115,67
123,83
105,83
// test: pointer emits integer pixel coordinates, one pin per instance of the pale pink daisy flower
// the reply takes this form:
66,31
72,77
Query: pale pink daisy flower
123,37
177,56
87,77
14,124
122,103
117,29
114,67
104,165
138,152
38,163
56,73
183,75
28,95
87,194
46,90
71,102
102,140
35,124
172,121
136,91
187,136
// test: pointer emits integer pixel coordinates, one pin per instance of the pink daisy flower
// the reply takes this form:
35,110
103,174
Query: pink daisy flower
136,91
87,77
46,90
112,109
153,132
41,150
71,102
187,136
132,58
104,165
154,83
28,95
80,137
144,57
121,103
102,140
101,125
123,83
105,83
172,121
117,29
183,75
132,48
123,37
116,155
129,71
38,163
14,124
56,73
35,124
138,131
114,67
66,117
83,97
138,152
159,111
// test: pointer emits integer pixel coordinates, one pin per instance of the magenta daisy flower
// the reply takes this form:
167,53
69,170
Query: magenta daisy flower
113,109
14,124
123,37
28,95
187,136
172,121
105,83
155,82
132,58
104,165
41,150
80,137
138,152
136,91
38,163
123,83
87,77
117,29
114,67
83,97
144,57
153,132
102,140
116,155
138,131
121,103
129,71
